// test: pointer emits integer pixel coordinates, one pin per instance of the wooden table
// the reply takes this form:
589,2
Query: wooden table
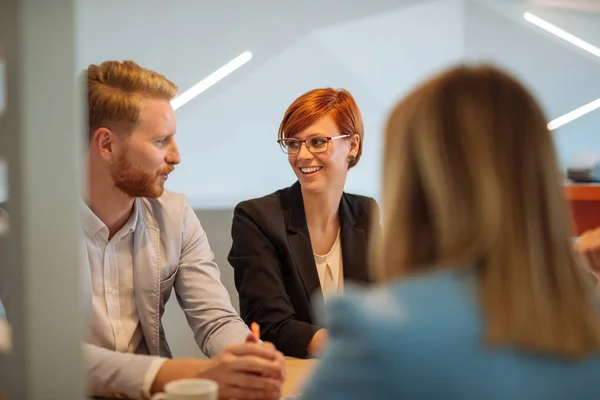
298,370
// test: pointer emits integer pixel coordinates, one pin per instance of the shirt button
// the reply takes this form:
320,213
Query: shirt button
110,290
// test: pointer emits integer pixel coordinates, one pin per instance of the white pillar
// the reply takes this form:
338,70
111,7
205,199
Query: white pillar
40,139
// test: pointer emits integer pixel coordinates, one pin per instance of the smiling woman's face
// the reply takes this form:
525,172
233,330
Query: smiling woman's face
320,170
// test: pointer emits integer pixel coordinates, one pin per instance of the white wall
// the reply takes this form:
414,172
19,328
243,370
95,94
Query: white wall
377,50
227,136
562,76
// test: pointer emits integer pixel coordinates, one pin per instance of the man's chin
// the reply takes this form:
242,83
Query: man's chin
155,192
150,193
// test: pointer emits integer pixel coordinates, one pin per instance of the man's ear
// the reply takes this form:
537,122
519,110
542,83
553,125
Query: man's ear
104,141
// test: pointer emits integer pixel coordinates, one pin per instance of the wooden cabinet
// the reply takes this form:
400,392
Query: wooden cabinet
584,201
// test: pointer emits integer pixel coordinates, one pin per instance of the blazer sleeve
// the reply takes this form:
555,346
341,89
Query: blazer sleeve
260,284
202,296
352,366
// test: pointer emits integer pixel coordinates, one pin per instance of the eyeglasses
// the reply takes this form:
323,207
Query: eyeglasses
315,144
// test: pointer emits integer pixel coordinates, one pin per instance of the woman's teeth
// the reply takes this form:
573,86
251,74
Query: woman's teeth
310,170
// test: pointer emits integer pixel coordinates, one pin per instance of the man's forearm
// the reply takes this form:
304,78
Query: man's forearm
110,373
228,331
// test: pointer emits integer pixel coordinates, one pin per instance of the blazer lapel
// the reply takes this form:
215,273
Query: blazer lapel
299,240
354,245
146,276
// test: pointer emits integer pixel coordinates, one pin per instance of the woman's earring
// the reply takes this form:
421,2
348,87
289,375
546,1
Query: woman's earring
351,159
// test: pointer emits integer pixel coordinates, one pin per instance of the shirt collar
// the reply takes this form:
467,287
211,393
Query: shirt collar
92,224
132,221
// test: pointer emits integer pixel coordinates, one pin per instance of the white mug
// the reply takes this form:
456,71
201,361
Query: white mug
189,389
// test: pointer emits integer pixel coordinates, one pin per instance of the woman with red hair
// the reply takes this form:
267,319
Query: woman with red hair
300,244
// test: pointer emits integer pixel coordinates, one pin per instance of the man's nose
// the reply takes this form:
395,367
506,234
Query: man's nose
173,157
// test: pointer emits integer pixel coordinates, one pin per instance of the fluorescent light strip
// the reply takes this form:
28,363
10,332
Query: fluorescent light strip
573,115
582,44
556,31
211,79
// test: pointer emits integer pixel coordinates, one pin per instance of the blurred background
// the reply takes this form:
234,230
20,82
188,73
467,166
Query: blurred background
376,49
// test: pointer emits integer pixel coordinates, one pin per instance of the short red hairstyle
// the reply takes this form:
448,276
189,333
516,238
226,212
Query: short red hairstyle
318,103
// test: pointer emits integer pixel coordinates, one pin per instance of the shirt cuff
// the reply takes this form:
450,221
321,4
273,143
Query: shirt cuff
149,377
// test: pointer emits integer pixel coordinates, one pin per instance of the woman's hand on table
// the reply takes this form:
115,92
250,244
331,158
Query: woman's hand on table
588,244
318,343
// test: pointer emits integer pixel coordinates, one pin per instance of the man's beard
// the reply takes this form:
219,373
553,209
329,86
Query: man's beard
134,182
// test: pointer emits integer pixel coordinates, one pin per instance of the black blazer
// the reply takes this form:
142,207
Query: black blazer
274,267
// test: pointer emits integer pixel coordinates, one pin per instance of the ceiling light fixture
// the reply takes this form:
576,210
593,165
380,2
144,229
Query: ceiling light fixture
211,79
573,115
564,35
574,40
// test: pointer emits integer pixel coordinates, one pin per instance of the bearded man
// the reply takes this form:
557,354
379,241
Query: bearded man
142,241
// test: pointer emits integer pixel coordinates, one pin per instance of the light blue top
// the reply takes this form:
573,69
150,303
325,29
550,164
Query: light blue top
423,339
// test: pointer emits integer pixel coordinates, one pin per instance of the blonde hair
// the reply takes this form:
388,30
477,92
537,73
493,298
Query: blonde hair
115,90
471,180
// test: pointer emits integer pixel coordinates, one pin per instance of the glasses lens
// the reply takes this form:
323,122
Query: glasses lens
290,146
318,144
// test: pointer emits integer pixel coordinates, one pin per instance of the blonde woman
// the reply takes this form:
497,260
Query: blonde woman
481,295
